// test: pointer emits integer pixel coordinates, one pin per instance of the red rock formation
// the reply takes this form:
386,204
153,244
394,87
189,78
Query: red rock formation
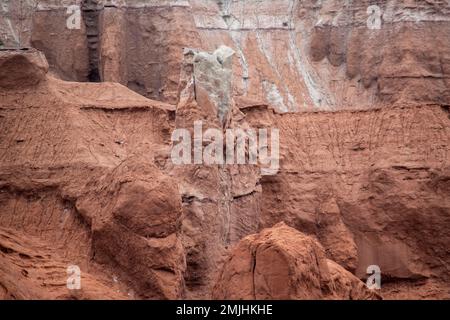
86,176
333,54
22,70
80,184
368,185
280,264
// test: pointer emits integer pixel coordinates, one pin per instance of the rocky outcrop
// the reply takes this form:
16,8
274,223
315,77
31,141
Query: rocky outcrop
66,49
368,185
220,203
359,94
26,69
82,184
335,55
282,264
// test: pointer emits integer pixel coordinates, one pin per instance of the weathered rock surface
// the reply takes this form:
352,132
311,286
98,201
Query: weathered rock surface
85,171
31,270
334,55
22,70
363,182
81,184
281,263
220,203
368,185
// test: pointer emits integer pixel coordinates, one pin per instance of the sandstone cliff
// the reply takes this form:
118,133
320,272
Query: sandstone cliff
87,179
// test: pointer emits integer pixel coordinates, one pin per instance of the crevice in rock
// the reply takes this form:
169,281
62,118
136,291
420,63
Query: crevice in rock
446,109
253,272
91,11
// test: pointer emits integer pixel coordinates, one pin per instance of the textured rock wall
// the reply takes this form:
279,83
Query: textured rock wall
16,22
328,50
220,203
282,264
67,50
366,174
368,185
78,186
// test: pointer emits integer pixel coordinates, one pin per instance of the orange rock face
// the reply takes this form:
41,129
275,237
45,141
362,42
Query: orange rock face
114,215
360,98
294,55
281,263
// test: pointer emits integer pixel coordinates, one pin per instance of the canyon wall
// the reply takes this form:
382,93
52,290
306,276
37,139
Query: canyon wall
361,104
334,54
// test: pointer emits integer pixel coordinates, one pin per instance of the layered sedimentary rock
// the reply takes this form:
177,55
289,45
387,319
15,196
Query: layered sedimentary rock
282,264
368,185
80,182
86,169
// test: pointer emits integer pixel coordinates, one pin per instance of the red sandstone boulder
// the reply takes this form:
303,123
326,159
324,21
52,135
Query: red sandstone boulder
282,263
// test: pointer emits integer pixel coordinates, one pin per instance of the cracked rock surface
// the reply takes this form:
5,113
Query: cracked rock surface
87,179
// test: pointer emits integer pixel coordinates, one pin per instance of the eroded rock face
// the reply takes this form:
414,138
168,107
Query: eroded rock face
220,203
138,233
281,263
85,168
31,270
334,55
83,184
415,69
212,77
